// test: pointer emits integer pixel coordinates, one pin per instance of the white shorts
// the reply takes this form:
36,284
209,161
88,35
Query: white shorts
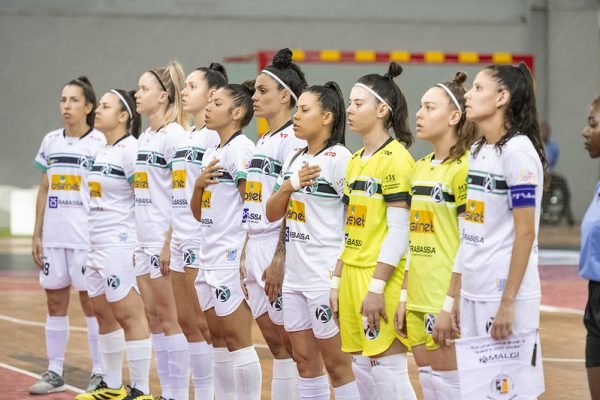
476,317
63,267
219,288
184,253
110,272
304,310
147,261
259,255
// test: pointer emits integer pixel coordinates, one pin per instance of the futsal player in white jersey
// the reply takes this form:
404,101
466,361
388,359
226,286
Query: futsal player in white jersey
309,194
185,246
217,202
60,237
277,89
159,98
110,272
498,254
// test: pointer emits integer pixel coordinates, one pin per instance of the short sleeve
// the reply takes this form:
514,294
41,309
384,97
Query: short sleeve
521,168
338,176
395,179
171,144
129,158
40,161
459,185
291,145
238,161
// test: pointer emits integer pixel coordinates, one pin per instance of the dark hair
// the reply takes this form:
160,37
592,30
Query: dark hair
242,97
90,97
134,122
215,75
331,99
521,117
288,72
171,79
466,130
385,87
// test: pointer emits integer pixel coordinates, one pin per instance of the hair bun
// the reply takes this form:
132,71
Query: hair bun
85,80
460,77
132,93
249,86
215,66
394,70
283,59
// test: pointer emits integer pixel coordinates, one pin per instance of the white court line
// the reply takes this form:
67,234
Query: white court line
36,376
566,310
564,360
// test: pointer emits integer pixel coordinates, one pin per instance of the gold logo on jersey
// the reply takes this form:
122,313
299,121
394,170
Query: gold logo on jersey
253,191
357,216
295,211
475,211
178,178
421,221
95,189
66,182
140,180
206,196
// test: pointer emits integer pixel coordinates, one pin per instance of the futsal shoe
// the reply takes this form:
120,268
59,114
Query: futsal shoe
103,392
50,382
135,394
95,380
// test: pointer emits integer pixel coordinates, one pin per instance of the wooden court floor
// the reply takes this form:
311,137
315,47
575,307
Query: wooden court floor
22,315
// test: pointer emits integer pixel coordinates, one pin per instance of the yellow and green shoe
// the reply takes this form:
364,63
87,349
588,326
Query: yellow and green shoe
103,392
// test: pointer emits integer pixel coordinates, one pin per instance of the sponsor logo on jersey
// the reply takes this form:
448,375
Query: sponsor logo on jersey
488,324
206,196
296,236
357,216
323,313
429,322
190,155
253,192
437,194
329,154
371,186
66,182
421,221
223,293
268,166
501,384
178,179
311,189
230,254
154,261
86,162
83,268
123,236
500,284
179,203
475,211
489,183
95,189
296,212
247,216
371,334
140,180
277,304
350,242
113,281
189,257
52,202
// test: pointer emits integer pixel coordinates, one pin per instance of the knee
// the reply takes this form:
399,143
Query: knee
57,305
338,370
308,367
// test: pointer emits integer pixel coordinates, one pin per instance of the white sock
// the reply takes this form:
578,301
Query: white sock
139,353
314,388
246,373
427,379
92,334
179,366
361,366
349,391
112,349
223,374
57,336
447,386
285,379
159,343
390,374
201,365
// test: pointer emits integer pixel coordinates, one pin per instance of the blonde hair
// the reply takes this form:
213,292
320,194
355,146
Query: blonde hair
172,78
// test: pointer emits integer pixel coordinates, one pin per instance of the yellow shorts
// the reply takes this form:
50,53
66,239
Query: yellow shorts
419,326
353,289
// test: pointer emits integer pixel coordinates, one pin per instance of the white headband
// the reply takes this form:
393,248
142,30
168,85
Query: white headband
452,97
374,94
124,102
282,83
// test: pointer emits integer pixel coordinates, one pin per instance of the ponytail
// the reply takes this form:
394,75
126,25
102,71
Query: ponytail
385,87
127,101
331,99
172,80
215,75
90,97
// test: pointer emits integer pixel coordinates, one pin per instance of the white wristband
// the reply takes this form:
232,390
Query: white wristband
377,286
403,296
295,181
335,282
448,304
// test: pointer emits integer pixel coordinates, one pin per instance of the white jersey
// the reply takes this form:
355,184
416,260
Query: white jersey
222,204
112,222
315,220
499,181
152,183
67,162
186,167
272,149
